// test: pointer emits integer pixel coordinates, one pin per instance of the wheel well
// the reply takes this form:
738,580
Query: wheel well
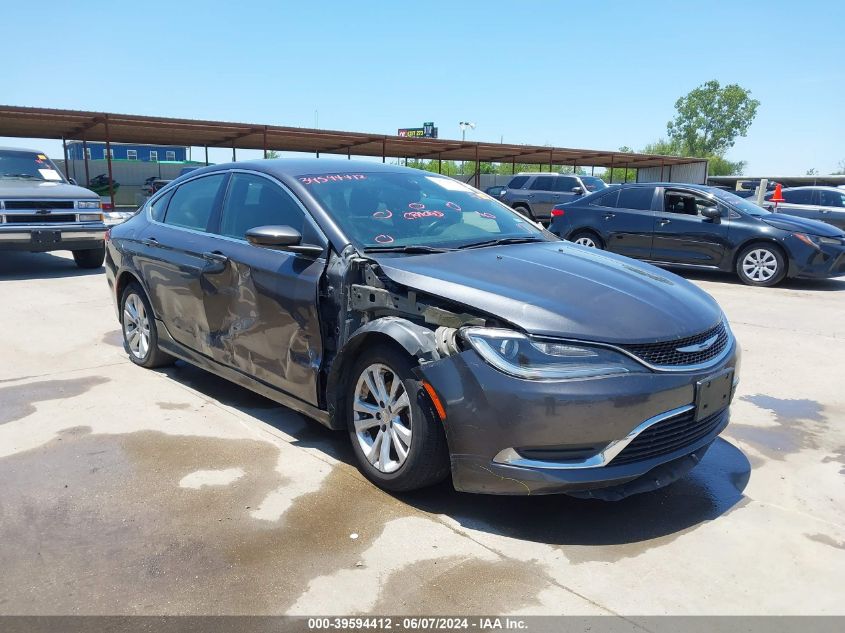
592,232
523,205
765,242
124,279
338,381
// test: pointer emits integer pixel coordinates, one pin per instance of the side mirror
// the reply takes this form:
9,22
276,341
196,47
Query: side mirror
72,181
283,238
577,191
712,213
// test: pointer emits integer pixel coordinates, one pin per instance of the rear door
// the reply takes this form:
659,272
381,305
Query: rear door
832,207
542,196
173,257
261,303
683,236
629,225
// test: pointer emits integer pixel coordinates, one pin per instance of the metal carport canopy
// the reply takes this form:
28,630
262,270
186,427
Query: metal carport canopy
126,128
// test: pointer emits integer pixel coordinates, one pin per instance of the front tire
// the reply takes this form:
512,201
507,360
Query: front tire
761,265
90,258
138,324
397,439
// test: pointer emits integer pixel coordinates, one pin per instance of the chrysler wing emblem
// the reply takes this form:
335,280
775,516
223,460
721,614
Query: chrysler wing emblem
699,347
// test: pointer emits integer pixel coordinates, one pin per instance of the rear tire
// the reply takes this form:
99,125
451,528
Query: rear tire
397,438
138,324
90,258
761,265
588,239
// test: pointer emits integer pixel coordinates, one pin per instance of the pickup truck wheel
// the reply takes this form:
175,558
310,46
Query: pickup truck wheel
587,238
397,438
140,336
90,258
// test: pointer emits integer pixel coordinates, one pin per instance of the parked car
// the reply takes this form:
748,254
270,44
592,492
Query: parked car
702,227
442,331
41,211
817,203
534,195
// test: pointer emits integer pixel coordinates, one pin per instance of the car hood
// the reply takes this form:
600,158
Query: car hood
11,189
802,225
562,290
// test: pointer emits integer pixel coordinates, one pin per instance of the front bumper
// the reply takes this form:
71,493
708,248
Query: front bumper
513,436
42,238
827,260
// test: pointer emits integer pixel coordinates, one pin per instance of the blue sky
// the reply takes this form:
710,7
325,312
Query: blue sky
591,75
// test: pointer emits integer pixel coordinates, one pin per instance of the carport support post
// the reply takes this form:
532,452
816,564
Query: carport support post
593,170
477,169
439,164
551,159
85,158
513,165
626,172
265,142
234,155
64,149
206,155
611,170
108,160
383,158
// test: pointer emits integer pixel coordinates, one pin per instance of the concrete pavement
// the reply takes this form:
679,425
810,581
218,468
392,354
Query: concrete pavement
128,491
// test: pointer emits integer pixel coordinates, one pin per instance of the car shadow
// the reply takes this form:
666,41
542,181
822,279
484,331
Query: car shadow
833,284
19,265
712,489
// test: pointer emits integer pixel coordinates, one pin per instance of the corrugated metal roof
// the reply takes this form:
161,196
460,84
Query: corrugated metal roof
127,128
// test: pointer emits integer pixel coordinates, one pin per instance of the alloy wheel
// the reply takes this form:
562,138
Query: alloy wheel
587,241
136,326
382,418
760,265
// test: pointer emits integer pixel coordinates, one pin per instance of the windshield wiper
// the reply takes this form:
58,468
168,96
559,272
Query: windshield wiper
411,248
503,240
22,176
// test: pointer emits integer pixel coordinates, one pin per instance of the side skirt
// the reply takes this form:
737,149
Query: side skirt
239,378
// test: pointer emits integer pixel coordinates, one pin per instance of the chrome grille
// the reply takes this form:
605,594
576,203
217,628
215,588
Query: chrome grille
668,436
667,354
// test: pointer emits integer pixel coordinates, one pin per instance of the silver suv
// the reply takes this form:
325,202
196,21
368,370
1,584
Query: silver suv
534,194
41,211
817,203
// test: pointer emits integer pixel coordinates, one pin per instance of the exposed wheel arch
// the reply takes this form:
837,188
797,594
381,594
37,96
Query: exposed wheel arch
414,340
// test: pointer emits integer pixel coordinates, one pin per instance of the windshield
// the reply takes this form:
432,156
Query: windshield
23,165
740,204
593,184
396,209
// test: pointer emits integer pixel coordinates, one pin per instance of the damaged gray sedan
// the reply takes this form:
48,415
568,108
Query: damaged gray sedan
445,333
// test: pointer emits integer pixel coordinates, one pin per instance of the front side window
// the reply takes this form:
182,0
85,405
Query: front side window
797,196
686,203
517,182
193,203
406,208
254,201
565,184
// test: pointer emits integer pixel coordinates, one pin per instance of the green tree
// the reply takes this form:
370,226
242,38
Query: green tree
620,174
710,118
271,153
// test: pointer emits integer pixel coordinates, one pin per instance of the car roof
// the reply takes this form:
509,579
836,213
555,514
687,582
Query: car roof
20,149
812,187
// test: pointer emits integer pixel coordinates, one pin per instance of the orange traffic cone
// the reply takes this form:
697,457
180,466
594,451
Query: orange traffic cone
778,195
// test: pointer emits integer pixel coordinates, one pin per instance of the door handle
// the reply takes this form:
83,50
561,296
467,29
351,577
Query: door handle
215,256
150,241
609,216
664,221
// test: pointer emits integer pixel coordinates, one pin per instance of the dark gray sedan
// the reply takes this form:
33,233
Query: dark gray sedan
445,333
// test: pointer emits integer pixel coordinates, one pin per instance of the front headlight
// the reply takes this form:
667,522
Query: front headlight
518,355
88,204
817,240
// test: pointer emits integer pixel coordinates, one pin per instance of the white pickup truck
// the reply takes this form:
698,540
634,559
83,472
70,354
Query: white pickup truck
41,211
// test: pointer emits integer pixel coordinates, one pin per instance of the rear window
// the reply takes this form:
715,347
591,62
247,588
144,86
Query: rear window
638,198
517,182
607,200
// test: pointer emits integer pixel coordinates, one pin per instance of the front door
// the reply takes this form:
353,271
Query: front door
683,235
261,303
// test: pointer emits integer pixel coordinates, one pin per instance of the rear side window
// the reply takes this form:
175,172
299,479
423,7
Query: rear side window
517,182
256,201
192,204
797,196
565,184
158,207
638,198
543,183
607,200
